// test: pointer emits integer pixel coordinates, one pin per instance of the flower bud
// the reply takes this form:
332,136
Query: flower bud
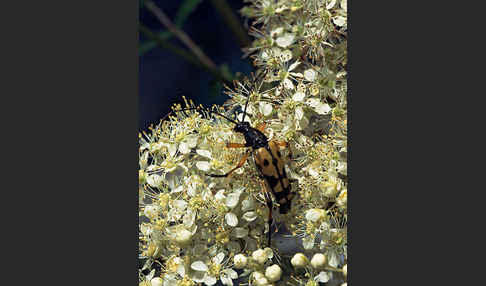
299,260
319,260
157,281
260,279
260,256
240,261
273,273
345,270
183,236
344,284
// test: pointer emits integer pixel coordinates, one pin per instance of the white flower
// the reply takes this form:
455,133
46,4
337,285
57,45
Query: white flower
157,281
285,40
315,215
299,260
273,273
308,242
231,219
240,261
318,260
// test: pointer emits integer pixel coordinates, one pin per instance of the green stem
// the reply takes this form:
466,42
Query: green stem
183,54
232,21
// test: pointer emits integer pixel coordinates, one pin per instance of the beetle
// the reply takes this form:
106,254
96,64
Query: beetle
269,162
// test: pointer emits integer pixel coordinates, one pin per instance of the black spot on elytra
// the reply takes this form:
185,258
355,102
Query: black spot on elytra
275,161
272,181
265,162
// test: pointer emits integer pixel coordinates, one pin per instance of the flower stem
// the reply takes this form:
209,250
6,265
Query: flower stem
162,17
183,54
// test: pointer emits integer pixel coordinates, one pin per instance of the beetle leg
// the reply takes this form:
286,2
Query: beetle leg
269,202
262,126
242,161
235,145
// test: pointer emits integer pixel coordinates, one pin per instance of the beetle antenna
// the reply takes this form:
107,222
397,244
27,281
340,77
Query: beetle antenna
246,105
227,118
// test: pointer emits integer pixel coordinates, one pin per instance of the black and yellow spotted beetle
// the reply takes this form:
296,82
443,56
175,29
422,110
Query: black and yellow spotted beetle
269,162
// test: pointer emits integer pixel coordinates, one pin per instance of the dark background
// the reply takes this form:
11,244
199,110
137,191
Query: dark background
165,77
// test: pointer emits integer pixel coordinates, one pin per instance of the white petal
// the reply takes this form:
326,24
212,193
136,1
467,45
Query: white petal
323,108
199,266
294,65
179,204
308,242
299,113
231,219
339,20
191,140
232,200
233,274
225,280
209,280
298,96
285,40
184,148
178,189
323,277
218,258
181,270
154,180
247,204
250,216
203,165
219,195
240,232
265,108
172,148
331,4
287,83
204,153
344,5
310,75
333,259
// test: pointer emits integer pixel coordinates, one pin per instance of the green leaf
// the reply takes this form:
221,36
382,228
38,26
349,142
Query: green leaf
150,44
186,9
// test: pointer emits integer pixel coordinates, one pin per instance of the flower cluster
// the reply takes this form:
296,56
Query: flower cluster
195,228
